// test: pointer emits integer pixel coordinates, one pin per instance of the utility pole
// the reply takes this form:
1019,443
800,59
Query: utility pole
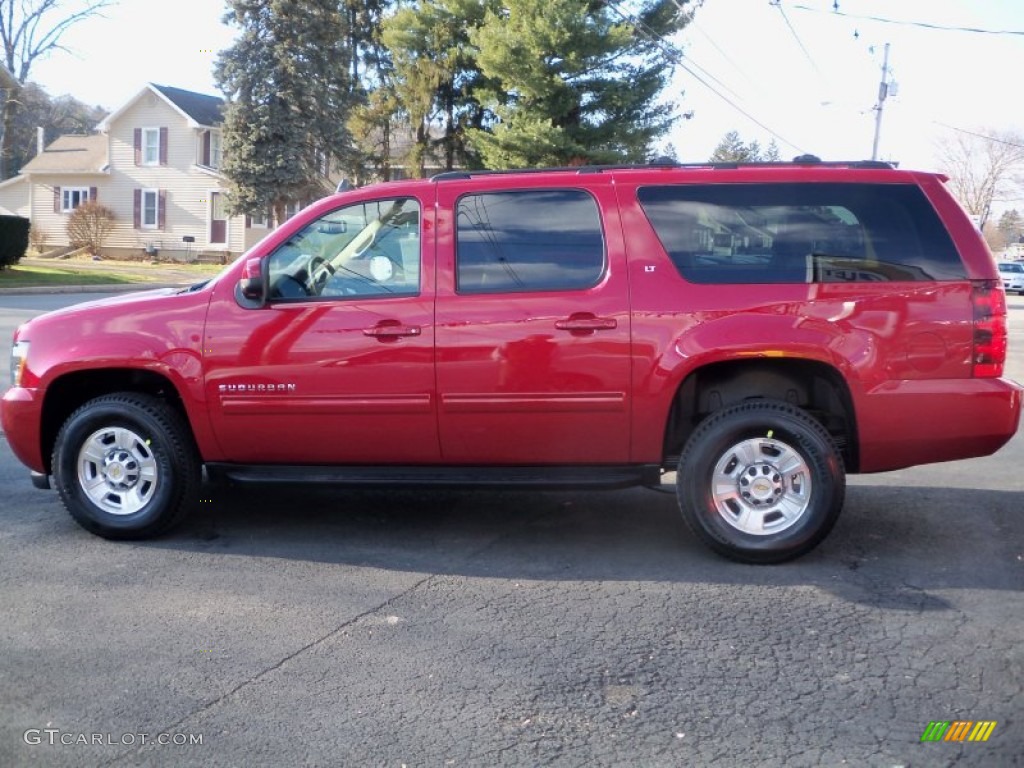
883,92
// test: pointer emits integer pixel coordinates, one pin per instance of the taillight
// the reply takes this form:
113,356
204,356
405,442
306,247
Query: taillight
989,302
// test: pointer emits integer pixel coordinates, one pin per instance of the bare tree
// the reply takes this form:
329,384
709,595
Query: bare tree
982,168
30,30
89,225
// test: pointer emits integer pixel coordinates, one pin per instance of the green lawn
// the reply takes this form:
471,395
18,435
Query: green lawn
23,275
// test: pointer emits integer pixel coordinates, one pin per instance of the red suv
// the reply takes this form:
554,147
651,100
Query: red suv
761,329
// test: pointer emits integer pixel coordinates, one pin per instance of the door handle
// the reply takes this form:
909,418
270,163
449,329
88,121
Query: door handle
385,329
586,322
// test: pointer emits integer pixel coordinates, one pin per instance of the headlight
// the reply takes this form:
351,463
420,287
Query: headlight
19,353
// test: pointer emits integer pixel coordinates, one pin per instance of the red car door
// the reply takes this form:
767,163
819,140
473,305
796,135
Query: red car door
533,336
338,366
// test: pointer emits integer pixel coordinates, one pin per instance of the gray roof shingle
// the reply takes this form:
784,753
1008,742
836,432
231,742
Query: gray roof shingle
205,110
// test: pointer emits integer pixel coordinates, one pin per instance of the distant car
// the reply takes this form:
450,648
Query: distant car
1012,273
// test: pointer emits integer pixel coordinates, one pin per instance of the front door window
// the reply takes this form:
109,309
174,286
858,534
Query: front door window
365,250
218,219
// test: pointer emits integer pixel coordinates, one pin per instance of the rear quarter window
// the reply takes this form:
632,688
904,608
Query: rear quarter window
801,233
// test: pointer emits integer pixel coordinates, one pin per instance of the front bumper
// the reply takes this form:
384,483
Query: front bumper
21,412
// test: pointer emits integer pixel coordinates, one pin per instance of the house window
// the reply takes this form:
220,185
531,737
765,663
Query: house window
215,149
150,146
72,197
261,220
150,208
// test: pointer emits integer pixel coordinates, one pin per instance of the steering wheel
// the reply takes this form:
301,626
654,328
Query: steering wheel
320,271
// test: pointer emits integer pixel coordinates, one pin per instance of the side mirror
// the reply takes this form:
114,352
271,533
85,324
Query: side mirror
253,285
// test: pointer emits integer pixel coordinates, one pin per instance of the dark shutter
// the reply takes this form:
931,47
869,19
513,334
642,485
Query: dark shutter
161,207
163,146
206,149
138,146
56,199
137,214
248,222
92,193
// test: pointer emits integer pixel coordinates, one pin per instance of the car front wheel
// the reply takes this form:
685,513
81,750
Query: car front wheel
761,482
125,466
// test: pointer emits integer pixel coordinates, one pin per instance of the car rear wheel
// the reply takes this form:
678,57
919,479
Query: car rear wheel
125,466
761,482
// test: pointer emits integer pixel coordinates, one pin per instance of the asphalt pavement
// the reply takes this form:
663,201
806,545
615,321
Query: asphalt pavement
317,627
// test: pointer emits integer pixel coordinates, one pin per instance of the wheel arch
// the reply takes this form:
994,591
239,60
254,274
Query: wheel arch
68,392
812,385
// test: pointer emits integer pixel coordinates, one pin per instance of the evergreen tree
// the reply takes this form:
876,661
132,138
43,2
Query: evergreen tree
731,149
436,75
576,81
289,95
363,19
372,76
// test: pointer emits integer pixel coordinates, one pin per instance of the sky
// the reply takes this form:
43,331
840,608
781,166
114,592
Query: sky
811,75
805,72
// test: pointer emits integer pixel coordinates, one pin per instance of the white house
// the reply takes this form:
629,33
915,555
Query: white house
155,162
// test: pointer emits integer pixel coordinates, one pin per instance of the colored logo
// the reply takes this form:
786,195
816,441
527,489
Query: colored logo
958,730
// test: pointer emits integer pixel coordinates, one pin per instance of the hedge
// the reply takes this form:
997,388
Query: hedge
13,240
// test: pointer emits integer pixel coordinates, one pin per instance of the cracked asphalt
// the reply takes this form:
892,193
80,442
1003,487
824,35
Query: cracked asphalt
318,627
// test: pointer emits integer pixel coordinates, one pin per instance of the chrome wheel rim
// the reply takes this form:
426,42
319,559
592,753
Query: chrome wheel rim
761,486
117,470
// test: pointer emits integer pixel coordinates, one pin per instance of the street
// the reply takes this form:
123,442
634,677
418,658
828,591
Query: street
293,626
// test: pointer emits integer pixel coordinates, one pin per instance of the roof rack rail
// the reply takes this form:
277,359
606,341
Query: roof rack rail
667,163
659,162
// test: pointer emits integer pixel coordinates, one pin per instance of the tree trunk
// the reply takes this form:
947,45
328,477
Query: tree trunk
7,149
449,129
421,148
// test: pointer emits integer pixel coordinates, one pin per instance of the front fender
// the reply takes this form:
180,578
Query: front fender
156,333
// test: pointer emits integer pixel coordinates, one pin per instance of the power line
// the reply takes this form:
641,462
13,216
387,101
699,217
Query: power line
923,24
693,24
980,135
799,42
710,76
676,56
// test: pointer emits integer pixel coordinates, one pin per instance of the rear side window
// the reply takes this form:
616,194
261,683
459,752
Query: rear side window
801,233
534,240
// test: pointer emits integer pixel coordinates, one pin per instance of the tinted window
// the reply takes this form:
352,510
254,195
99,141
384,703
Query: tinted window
796,233
537,240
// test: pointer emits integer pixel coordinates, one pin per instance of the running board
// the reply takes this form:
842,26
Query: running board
551,477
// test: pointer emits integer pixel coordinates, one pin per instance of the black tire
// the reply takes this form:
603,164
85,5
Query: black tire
126,467
780,482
